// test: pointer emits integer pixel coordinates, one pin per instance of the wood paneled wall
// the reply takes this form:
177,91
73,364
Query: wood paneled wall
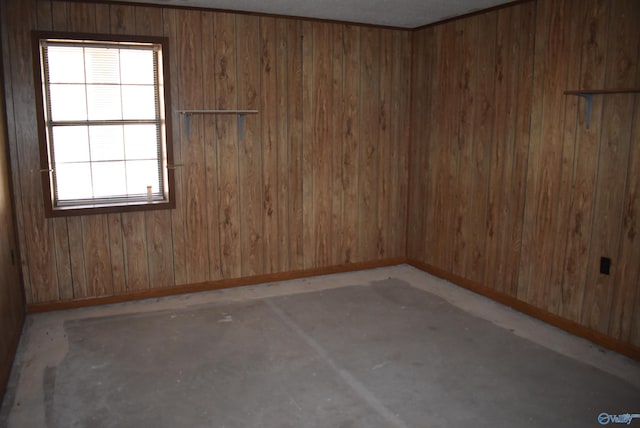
319,177
11,300
508,188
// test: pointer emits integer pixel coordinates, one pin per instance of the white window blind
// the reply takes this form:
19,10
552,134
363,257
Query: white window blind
104,114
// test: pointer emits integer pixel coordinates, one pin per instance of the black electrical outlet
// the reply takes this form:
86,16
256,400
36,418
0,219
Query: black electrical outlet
605,265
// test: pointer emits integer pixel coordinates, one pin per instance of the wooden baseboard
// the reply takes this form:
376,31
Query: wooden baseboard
526,308
5,370
210,285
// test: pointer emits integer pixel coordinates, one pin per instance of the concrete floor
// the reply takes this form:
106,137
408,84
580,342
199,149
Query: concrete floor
389,347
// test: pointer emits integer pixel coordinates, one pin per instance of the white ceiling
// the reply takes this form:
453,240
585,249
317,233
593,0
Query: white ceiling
395,13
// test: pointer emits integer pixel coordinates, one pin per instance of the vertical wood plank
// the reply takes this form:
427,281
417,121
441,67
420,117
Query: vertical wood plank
385,166
483,144
520,163
116,249
227,138
533,194
295,137
135,251
148,21
211,146
308,219
193,153
350,127
76,254
282,142
463,213
400,141
416,229
336,112
321,143
81,17
170,30
63,258
494,259
103,18
443,176
95,231
251,196
368,233
270,138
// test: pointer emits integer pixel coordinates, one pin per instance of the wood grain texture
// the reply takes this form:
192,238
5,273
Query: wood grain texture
179,267
506,186
11,289
227,138
306,149
321,152
611,182
350,129
369,155
336,113
400,122
548,218
251,195
210,149
38,244
420,118
294,144
269,124
282,143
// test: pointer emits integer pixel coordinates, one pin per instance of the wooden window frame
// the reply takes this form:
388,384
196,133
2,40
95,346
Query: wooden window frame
45,159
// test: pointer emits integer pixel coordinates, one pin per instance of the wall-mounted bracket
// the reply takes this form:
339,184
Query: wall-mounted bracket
588,94
588,107
239,113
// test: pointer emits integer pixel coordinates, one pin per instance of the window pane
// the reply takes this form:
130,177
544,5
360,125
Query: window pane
103,65
101,159
104,102
66,64
138,102
141,174
109,179
141,142
72,144
73,181
137,66
107,142
68,102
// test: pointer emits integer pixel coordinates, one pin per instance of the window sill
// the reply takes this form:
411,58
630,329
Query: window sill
92,209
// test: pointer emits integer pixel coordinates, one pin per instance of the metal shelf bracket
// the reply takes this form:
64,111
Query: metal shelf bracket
588,94
239,113
588,107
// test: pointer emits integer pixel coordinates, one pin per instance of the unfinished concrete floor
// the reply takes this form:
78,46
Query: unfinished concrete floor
389,347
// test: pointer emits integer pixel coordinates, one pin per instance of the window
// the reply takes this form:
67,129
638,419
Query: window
103,126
